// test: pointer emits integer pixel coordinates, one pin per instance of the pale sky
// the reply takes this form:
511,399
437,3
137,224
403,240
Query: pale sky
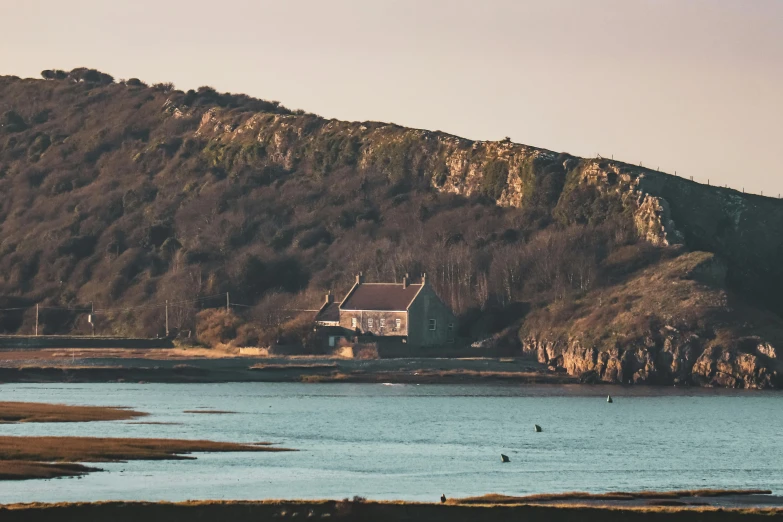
694,86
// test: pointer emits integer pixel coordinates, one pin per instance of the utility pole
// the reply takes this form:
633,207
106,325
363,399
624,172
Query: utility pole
167,317
92,317
36,319
227,304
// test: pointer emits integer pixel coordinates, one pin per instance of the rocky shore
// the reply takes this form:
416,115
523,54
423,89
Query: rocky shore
676,361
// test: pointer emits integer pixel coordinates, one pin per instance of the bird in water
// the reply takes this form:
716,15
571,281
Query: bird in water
504,458
443,499
609,399
538,428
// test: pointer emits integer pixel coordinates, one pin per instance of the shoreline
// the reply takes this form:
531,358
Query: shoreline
160,366
201,375
199,365
359,509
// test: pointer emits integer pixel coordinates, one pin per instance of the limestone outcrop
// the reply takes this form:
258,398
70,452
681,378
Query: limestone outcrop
676,361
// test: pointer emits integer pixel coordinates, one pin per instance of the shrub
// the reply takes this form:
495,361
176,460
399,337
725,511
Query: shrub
13,122
164,87
495,179
41,116
299,331
39,145
216,327
313,237
83,74
190,97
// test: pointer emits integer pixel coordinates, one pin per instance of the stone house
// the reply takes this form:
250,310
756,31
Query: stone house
401,313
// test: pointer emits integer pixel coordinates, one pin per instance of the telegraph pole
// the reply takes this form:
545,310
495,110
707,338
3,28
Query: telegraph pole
167,317
227,303
36,319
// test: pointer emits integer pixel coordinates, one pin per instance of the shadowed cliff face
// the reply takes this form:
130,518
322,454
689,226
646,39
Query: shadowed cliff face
124,194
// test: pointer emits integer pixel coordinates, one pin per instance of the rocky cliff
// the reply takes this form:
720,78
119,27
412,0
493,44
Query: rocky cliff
671,324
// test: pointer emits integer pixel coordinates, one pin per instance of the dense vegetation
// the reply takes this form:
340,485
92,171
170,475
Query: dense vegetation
119,196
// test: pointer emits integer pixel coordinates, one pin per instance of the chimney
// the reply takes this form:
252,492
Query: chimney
359,278
406,281
329,297
424,279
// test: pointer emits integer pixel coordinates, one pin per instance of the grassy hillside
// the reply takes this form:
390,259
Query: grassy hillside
120,196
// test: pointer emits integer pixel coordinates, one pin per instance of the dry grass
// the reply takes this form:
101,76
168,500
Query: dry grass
94,449
332,377
494,498
436,376
24,469
64,356
313,366
41,412
30,457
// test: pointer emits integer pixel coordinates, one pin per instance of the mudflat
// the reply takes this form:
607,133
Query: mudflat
44,412
681,498
45,457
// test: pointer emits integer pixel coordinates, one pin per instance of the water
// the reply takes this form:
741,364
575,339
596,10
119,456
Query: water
415,442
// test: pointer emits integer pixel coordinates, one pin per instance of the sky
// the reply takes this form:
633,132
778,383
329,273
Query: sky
692,86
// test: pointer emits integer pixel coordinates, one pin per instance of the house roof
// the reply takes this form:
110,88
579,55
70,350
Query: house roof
329,313
380,296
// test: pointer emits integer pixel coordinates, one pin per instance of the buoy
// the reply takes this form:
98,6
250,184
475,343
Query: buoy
609,399
504,458
443,499
538,428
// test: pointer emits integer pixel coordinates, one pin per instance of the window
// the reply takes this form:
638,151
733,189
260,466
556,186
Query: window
433,325
381,322
369,322
450,333
353,322
397,324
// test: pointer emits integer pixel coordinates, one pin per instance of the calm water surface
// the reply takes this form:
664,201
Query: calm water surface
416,442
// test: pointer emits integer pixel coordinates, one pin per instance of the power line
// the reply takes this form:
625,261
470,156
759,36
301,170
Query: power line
46,308
157,305
120,309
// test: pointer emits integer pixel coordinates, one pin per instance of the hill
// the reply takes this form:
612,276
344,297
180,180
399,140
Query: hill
119,196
